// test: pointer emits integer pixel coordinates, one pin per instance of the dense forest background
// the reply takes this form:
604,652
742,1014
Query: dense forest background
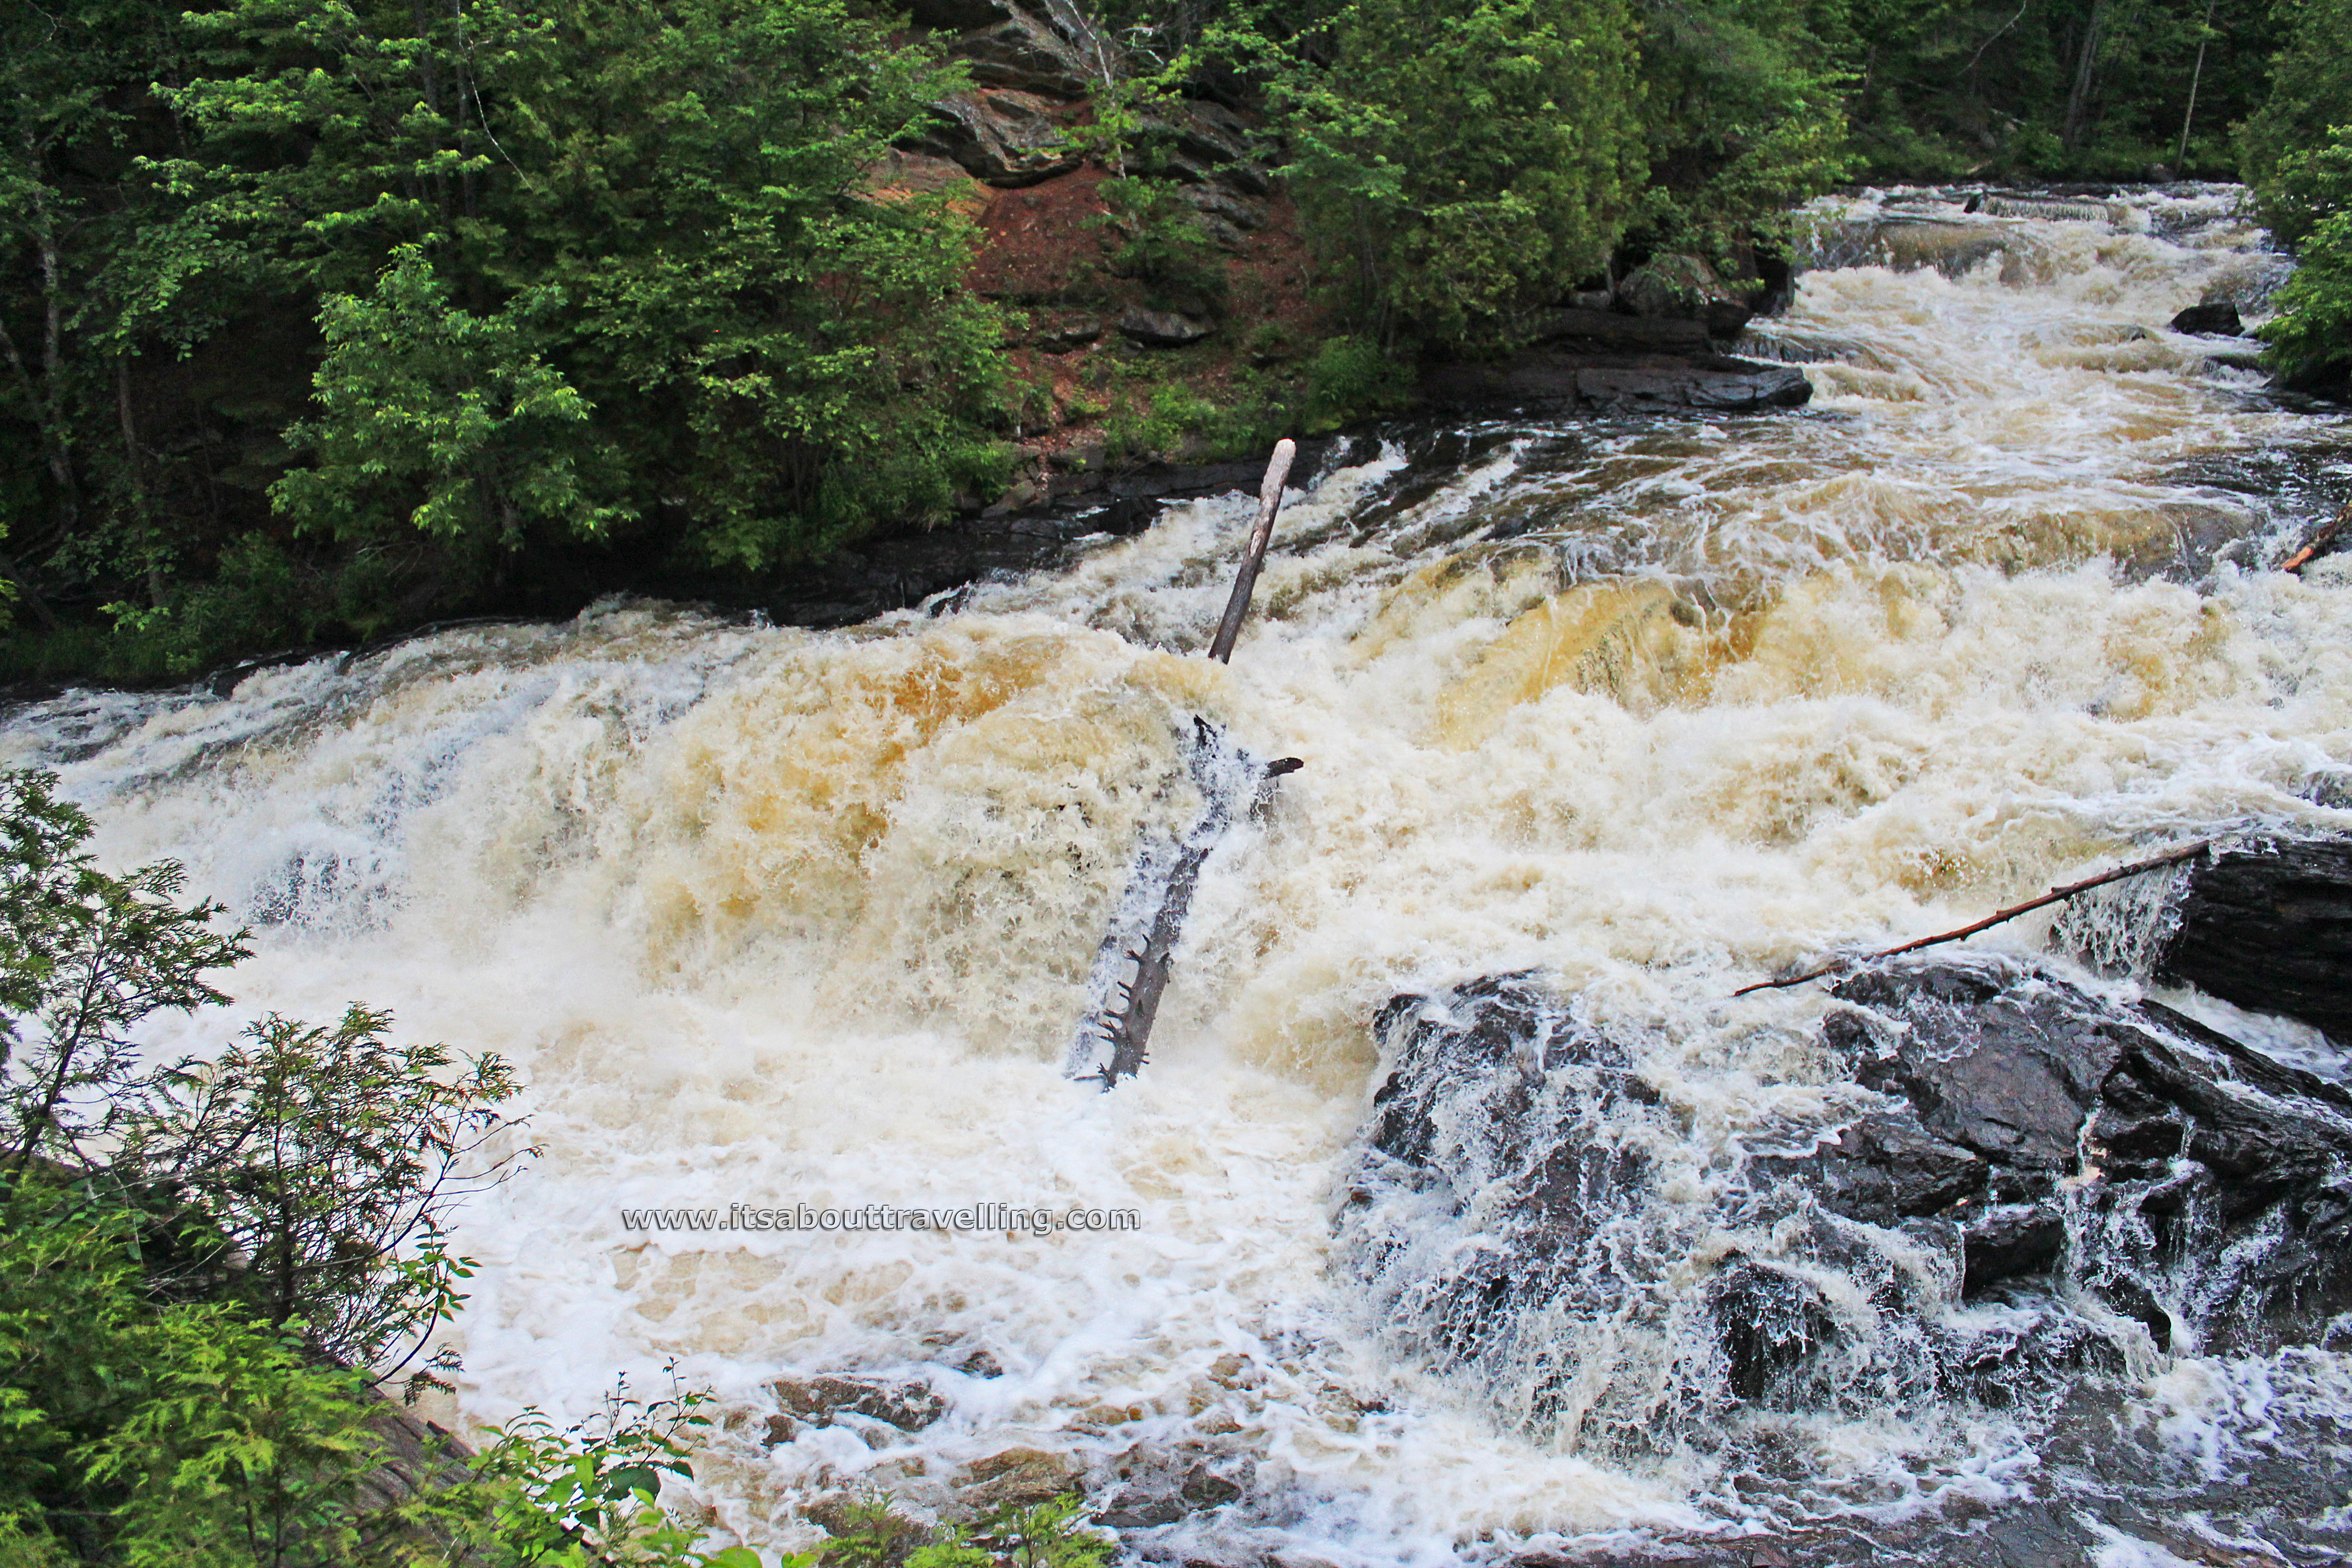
326,317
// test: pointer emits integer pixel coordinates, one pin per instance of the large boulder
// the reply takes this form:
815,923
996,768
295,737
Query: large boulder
1527,1204
2199,1185
2215,321
2269,927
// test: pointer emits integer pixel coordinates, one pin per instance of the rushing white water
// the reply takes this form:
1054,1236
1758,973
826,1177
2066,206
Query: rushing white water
1653,704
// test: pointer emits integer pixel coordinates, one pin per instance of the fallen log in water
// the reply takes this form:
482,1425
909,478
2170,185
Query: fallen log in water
1131,967
2323,539
2055,895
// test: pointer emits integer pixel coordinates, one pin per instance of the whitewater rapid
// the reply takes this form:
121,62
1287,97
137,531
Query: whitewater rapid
1653,704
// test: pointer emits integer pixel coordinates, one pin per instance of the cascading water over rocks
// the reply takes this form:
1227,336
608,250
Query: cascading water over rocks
1638,708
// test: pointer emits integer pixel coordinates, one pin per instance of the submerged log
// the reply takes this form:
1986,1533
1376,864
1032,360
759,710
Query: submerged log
1138,953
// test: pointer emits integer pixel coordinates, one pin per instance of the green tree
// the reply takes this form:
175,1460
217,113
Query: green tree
84,958
1459,163
600,272
2283,145
1744,116
321,1161
2311,337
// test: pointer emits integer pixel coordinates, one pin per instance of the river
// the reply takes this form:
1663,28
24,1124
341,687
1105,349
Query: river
1654,705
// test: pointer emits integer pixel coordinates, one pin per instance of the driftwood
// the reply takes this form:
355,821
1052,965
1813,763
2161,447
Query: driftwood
1269,502
1132,966
2317,542
2055,895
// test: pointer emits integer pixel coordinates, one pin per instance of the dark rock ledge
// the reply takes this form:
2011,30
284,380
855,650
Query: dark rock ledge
1604,359
2078,1172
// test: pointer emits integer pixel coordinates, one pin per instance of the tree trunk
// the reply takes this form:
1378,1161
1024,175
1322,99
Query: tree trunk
2086,65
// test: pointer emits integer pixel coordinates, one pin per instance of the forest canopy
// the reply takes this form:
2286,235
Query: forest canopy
325,317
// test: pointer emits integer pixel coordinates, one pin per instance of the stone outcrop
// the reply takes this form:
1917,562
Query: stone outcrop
2270,929
1003,136
1033,67
1610,359
2027,1139
1569,378
1161,329
1685,288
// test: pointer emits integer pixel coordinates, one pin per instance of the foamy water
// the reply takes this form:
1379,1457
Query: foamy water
1653,704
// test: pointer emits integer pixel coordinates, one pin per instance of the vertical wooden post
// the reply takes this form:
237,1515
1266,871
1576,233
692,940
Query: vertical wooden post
1269,502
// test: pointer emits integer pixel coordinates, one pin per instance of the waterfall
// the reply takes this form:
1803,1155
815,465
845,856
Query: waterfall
1649,705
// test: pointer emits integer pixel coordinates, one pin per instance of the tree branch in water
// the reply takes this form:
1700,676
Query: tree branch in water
2170,857
2318,543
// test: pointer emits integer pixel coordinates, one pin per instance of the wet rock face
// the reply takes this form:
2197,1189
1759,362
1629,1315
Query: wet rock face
820,1401
1505,1155
2013,1135
2215,321
2272,930
2203,1187
1577,377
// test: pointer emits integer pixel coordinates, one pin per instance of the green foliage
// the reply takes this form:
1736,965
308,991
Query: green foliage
2283,146
2074,89
145,1433
418,396
542,1497
1051,1534
1458,163
84,957
1169,413
1745,118
872,1534
587,271
1349,378
2310,338
1162,245
325,1158
240,1449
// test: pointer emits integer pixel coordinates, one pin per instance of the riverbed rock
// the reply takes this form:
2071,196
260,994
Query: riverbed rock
2269,927
909,1405
1014,1478
1522,1199
2215,321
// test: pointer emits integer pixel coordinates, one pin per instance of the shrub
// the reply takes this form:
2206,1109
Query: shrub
2310,338
210,1267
